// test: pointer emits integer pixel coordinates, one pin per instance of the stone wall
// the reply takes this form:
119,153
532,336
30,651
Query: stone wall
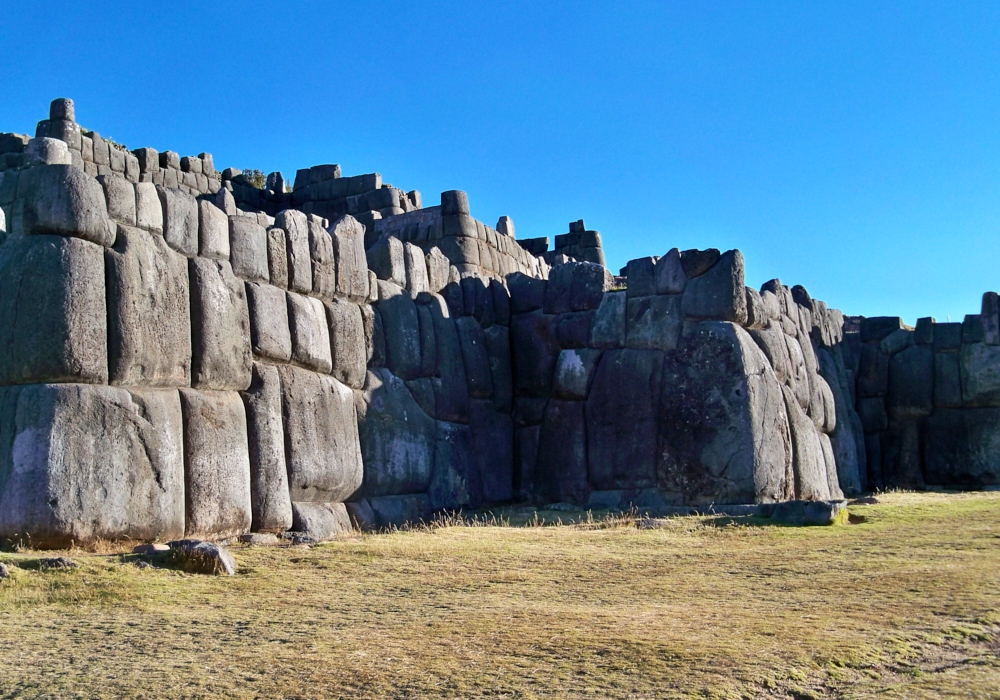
929,399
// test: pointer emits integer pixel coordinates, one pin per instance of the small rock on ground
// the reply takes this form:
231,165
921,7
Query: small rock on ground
866,501
58,563
299,538
151,549
260,539
811,513
4,571
197,557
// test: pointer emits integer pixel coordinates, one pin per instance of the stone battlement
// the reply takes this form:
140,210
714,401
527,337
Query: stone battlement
183,354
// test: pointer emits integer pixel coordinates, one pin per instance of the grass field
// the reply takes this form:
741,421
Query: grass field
903,604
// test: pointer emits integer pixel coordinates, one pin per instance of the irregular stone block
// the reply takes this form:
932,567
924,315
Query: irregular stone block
873,371
897,341
947,337
573,329
832,479
669,277
270,504
698,262
347,342
428,345
422,391
719,293
476,360
248,249
324,267
561,465
980,372
574,372
397,438
527,294
438,268
213,231
149,312
493,449
120,196
501,303
590,282
498,350
534,350
847,438
771,340
654,322
416,270
809,465
401,326
396,511
386,260
757,316
322,447
876,328
296,227
873,414
220,327
962,447
63,482
451,391
310,333
277,257
321,521
911,382
180,220
972,329
455,480
641,274
804,513
947,381
53,323
609,322
352,265
270,336
62,200
216,464
901,454
148,210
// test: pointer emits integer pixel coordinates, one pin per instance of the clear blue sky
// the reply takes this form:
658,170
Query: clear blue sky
853,148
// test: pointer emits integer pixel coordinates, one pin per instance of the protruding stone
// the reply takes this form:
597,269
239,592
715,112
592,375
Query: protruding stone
698,262
454,202
220,327
296,227
719,293
59,199
669,276
310,333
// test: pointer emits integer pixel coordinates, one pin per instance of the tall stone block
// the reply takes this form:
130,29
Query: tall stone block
324,267
352,265
180,220
401,325
270,503
296,227
310,332
62,200
347,342
719,293
220,327
270,337
62,481
53,322
248,249
216,464
149,312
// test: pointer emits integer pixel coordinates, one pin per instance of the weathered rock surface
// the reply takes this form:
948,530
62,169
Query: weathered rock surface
321,521
310,333
60,199
810,513
198,557
270,504
220,327
347,342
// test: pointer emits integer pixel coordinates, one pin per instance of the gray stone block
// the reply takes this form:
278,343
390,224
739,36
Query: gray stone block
347,342
771,340
533,350
120,196
149,312
416,270
270,336
455,479
216,464
802,513
811,482
148,210
322,448
654,322
180,220
451,391
296,227
498,349
321,521
213,232
438,267
47,151
609,322
698,262
669,277
873,414
454,202
719,293
310,333
947,381
897,341
757,316
911,382
641,275
477,364
53,321
397,438
873,371
271,506
59,199
501,303
401,326
125,480
220,327
386,260
352,265
574,372
947,337
277,258
428,344
324,266
980,375
876,328
493,450
527,294
962,447
247,247
723,431
558,291
561,464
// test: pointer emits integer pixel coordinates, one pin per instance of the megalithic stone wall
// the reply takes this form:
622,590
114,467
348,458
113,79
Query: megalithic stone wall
929,399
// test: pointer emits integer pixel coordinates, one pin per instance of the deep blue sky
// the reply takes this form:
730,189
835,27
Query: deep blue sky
853,148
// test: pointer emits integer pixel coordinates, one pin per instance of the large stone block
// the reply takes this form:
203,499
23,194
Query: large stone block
63,481
475,357
873,371
498,349
216,464
322,448
277,257
321,521
455,480
771,340
493,448
401,325
53,322
641,274
352,265
962,447
438,268
609,326
416,269
149,312
527,294
947,380
296,227
271,506
213,232
719,293
180,220
247,249
451,391
811,483
622,413
561,465
347,342
61,200
534,351
669,276
310,333
902,459
397,438
654,322
120,196
324,266
148,210
723,431
980,375
574,372
220,327
270,336
847,437
386,260
911,382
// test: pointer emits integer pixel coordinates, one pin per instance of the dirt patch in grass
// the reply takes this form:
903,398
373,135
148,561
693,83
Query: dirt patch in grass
904,603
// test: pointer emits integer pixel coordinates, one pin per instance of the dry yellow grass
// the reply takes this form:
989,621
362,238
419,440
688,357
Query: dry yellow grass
906,604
